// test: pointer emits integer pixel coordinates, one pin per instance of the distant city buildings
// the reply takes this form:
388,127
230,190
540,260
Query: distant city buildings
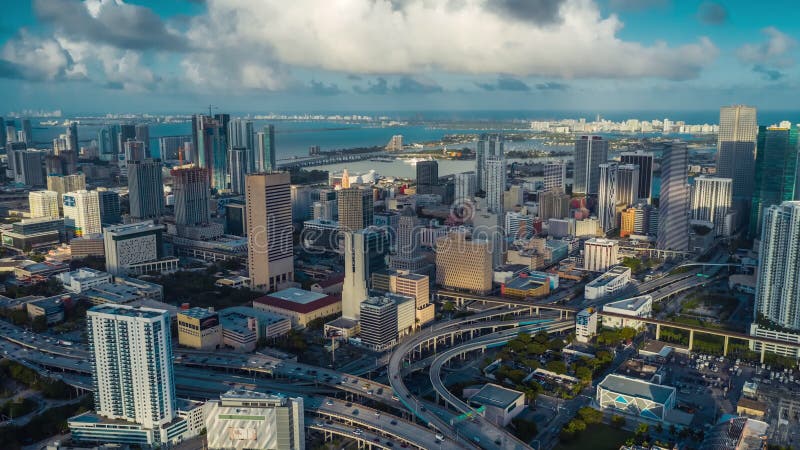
644,161
590,152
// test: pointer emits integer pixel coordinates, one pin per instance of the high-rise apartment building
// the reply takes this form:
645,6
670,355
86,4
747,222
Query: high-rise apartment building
82,212
408,249
378,320
27,131
607,197
248,419
72,137
66,183
142,133
495,186
269,230
145,189
241,135
736,148
43,204
265,156
131,353
172,148
28,167
192,192
590,152
554,176
488,145
600,254
464,263
673,209
237,168
466,185
125,133
645,162
210,149
778,282
711,202
355,208
553,205
776,172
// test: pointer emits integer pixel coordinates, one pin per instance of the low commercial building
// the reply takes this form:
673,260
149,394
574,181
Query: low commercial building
739,433
608,283
83,279
243,327
530,284
783,350
636,397
39,271
751,408
92,427
52,308
123,290
254,420
30,234
500,404
586,325
635,307
199,328
299,305
87,245
235,282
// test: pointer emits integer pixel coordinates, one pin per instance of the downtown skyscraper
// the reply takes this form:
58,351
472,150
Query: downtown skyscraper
192,192
778,282
210,148
736,149
488,145
241,135
269,230
495,183
145,189
711,202
776,172
607,196
673,210
265,159
590,152
645,162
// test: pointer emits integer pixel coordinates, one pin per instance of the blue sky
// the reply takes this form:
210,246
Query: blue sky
99,56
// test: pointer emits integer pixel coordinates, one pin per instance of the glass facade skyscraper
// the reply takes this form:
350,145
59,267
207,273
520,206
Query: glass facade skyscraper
778,285
673,210
776,172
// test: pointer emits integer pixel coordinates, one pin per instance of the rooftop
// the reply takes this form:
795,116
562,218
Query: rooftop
494,395
297,300
637,388
235,318
629,304
609,276
128,311
197,313
296,295
113,293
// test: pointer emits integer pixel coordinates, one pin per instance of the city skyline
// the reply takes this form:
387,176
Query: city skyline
157,57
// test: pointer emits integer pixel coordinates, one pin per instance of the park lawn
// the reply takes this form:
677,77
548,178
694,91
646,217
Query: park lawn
596,437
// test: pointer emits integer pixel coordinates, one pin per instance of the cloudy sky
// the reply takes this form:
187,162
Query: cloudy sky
95,56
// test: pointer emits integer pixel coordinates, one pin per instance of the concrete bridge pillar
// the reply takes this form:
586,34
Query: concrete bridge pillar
658,331
763,352
725,346
691,339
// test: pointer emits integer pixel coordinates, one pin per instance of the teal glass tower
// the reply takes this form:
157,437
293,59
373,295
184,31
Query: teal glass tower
776,172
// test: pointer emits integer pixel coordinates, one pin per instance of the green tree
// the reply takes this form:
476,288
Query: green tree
617,421
584,373
557,367
590,415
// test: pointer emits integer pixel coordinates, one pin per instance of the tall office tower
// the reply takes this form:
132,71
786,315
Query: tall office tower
224,121
408,249
428,172
607,197
302,202
488,145
28,167
3,136
495,176
518,225
240,134
269,230
209,147
145,189
600,254
464,263
72,137
378,320
82,212
627,184
43,204
66,183
172,147
465,186
131,354
105,147
418,287
778,282
736,148
776,172
265,158
673,208
192,193
53,165
237,167
142,134
364,251
10,131
711,201
590,152
27,131
126,132
236,218
134,151
355,208
248,419
109,206
555,175
553,205
60,144
132,244
11,159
